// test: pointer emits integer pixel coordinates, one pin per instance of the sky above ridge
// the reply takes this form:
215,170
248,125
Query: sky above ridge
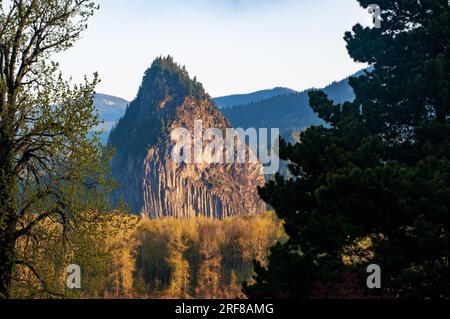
232,46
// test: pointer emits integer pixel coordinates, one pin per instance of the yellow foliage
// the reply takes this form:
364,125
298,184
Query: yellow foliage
360,252
204,258
123,256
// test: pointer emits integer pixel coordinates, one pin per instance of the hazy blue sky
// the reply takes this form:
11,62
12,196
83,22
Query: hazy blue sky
232,46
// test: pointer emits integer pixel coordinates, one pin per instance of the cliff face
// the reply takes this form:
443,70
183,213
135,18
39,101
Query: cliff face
150,180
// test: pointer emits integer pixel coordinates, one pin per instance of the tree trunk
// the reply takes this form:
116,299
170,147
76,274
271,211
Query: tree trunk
7,259
8,219
7,244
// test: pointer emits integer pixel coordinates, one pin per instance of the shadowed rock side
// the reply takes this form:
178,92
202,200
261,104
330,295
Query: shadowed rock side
150,181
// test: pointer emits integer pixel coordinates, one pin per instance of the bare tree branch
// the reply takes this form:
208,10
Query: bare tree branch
42,281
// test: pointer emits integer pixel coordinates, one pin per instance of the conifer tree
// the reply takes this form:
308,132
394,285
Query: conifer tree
378,172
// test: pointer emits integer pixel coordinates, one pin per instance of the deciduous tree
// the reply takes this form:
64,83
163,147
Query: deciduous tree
47,160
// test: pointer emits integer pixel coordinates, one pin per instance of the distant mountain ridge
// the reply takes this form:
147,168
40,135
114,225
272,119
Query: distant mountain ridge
289,112
237,99
279,107
110,109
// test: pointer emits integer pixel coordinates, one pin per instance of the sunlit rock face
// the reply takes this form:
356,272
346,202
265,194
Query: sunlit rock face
151,180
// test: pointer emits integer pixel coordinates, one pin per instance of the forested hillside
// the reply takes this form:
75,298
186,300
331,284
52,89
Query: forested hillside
289,112
238,99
